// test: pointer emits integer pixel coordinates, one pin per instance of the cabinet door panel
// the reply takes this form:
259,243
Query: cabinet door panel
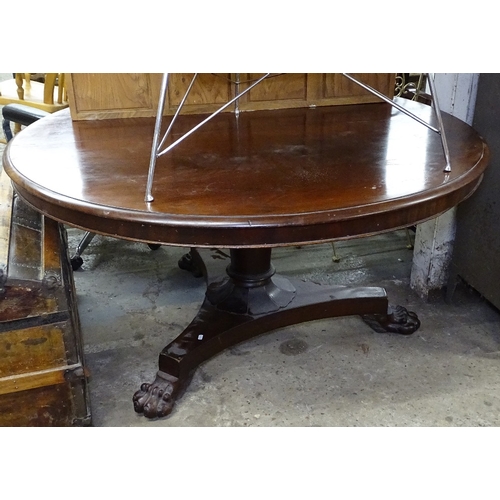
282,90
209,92
105,95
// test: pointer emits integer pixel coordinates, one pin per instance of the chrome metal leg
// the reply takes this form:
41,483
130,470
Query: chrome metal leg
76,260
335,257
435,106
155,151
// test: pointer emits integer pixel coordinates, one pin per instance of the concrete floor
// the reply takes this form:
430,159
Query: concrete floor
336,372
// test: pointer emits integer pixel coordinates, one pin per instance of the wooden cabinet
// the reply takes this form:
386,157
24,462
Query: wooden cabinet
123,95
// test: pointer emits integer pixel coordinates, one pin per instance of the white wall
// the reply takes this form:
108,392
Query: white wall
456,94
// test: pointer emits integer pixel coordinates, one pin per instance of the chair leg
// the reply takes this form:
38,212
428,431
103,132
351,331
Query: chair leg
7,130
408,238
76,260
335,257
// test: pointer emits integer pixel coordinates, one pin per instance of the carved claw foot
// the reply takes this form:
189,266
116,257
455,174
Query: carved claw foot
397,320
187,263
157,400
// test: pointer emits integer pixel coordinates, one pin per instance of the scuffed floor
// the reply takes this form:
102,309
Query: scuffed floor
336,372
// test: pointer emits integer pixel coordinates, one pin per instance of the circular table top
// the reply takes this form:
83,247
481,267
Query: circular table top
265,178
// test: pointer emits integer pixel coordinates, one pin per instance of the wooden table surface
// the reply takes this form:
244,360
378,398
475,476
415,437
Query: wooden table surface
267,178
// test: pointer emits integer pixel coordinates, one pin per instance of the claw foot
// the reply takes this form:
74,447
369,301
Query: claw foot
397,320
187,263
156,400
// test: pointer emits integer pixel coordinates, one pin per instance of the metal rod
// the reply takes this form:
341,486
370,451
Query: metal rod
437,111
391,102
409,245
181,105
236,90
152,161
335,257
419,85
187,134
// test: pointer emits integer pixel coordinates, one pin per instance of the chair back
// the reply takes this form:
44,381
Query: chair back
52,82
49,94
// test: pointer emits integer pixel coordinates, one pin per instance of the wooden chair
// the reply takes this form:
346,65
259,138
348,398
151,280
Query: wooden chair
49,95
19,114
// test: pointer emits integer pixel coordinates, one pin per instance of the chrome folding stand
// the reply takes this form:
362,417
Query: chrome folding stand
156,150
435,107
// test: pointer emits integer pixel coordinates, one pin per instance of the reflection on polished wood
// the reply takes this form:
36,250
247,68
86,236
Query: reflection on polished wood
265,179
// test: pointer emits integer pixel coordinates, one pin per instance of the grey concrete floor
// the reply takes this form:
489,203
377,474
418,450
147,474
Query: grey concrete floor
329,373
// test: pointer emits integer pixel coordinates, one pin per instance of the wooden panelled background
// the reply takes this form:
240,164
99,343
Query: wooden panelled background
123,95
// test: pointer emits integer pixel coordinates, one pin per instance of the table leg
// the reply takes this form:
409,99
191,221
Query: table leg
250,300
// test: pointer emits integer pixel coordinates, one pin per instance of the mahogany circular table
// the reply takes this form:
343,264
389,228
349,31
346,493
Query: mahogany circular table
249,183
